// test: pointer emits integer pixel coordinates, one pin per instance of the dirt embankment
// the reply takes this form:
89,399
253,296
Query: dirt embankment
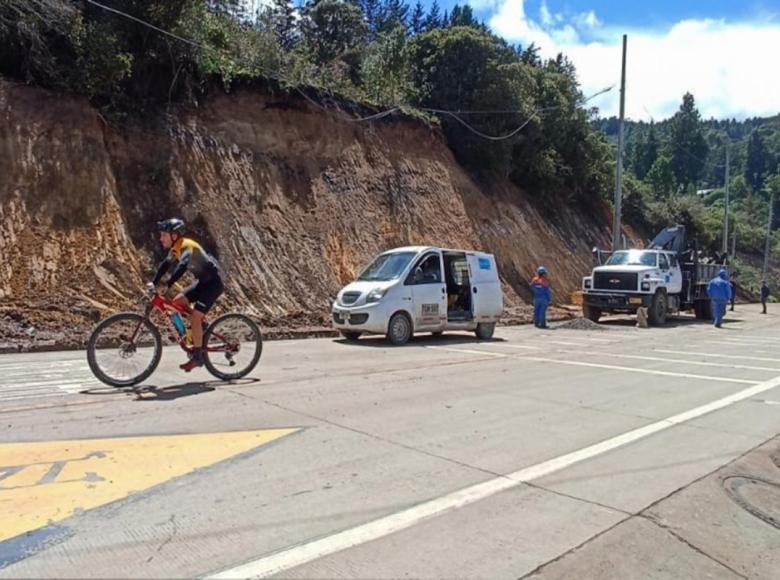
291,198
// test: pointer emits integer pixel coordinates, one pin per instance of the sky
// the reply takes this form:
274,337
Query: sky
722,51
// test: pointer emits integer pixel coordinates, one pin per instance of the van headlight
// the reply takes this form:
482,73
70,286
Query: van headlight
376,295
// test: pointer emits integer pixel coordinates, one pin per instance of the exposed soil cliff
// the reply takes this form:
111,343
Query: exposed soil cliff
291,198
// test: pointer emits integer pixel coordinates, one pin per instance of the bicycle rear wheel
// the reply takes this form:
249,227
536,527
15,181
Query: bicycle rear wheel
124,349
232,346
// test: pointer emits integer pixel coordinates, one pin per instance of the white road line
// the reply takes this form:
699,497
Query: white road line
714,354
683,361
600,366
303,553
54,384
467,351
69,377
522,346
17,390
566,343
39,366
741,338
38,396
741,342
637,370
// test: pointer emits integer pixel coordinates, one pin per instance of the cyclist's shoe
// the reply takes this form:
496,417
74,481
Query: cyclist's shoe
196,360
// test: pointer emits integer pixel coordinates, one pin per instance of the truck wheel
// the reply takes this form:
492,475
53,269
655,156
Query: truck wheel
485,330
591,313
399,330
658,309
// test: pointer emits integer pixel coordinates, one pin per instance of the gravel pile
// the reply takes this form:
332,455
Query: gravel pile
581,324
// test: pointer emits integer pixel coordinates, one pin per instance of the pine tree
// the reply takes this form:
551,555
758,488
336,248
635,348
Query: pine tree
687,144
281,19
417,20
757,163
433,19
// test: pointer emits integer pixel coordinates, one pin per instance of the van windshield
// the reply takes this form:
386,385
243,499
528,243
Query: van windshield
633,258
387,267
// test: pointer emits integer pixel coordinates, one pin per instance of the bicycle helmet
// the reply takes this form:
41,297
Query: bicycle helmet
171,225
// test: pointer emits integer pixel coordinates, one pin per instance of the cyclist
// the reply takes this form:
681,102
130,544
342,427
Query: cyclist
200,296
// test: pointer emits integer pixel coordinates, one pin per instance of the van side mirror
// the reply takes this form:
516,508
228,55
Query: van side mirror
418,274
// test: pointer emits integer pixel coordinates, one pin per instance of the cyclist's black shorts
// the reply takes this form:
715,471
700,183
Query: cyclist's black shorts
203,293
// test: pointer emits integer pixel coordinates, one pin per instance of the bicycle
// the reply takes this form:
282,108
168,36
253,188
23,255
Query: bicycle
133,342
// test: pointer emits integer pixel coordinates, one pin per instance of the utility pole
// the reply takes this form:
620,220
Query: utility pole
734,241
768,233
726,208
616,241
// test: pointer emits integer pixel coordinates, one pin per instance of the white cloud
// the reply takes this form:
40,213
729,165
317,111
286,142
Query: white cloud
588,20
544,14
721,63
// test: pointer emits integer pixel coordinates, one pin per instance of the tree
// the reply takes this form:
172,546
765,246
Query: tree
531,56
758,161
281,19
417,20
645,152
461,68
688,147
463,16
385,70
661,177
394,13
372,11
433,19
331,28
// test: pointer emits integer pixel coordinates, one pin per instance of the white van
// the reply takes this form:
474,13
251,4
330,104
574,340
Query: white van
421,289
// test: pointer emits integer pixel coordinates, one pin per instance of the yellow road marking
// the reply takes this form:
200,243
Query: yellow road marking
46,482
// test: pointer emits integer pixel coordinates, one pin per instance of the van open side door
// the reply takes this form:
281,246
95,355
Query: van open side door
486,297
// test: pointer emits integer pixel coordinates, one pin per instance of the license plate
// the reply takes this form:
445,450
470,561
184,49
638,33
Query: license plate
635,301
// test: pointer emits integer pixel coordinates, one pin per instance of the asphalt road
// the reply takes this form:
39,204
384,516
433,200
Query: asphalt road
616,453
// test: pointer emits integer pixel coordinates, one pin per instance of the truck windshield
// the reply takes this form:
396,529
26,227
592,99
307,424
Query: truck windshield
633,258
387,267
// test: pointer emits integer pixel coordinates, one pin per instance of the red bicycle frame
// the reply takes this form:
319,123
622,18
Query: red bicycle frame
168,308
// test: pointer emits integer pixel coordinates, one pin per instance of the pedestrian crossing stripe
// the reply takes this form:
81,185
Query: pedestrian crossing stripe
46,482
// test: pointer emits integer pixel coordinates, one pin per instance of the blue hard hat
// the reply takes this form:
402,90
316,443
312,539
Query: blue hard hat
723,274
541,270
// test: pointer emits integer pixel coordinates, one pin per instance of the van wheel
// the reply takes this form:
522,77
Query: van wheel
485,330
350,335
658,309
399,330
591,313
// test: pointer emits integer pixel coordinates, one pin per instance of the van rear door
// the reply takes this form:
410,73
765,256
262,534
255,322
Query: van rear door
486,298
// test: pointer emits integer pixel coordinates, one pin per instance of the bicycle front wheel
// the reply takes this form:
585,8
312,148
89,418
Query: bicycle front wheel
232,346
124,349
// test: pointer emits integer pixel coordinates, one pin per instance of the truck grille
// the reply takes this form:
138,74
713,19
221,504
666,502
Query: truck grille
349,297
615,281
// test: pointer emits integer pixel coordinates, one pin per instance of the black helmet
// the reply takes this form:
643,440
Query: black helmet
172,226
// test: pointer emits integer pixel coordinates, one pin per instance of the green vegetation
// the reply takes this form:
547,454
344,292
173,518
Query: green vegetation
676,173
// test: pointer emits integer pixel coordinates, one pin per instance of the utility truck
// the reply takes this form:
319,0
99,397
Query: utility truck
667,277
